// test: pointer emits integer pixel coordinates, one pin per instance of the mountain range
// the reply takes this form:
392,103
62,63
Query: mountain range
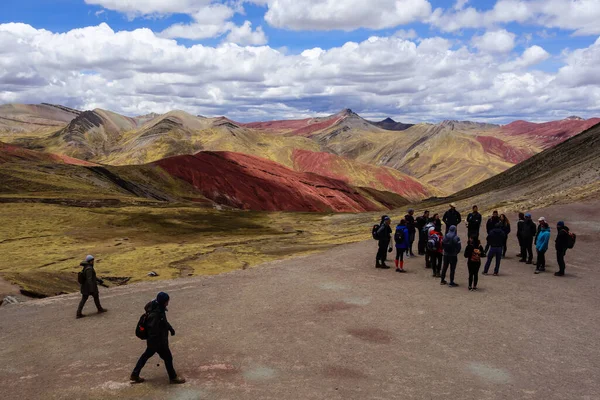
337,163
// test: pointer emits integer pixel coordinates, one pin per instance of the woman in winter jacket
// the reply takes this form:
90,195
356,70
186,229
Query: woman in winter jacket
541,246
402,239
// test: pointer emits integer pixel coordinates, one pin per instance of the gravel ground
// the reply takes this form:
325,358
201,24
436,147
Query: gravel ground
328,326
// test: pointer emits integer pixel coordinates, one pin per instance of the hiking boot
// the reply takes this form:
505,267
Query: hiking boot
136,379
484,273
384,266
559,273
377,265
452,284
443,283
529,262
401,270
495,274
522,260
177,380
102,310
470,288
78,316
519,255
474,289
398,270
537,271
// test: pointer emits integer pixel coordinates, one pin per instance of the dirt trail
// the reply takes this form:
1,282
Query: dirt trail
328,326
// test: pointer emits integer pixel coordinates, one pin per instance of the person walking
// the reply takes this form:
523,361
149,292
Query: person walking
402,240
520,227
421,222
412,230
489,225
506,228
89,286
158,329
451,217
434,247
473,253
452,247
496,240
561,245
541,246
437,222
529,230
474,223
384,235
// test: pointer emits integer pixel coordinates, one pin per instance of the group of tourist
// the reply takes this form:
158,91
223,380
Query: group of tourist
441,251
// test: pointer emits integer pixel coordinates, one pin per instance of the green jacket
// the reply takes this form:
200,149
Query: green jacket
90,283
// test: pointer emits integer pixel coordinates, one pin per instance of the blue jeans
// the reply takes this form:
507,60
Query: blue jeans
494,252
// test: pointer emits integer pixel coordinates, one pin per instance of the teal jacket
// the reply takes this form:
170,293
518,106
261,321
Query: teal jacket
543,239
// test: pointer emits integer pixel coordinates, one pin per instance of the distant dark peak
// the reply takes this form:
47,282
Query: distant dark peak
346,112
388,120
573,118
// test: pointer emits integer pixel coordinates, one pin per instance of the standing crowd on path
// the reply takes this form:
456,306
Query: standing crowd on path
441,251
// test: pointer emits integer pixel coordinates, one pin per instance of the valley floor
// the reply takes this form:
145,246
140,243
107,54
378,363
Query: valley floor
332,326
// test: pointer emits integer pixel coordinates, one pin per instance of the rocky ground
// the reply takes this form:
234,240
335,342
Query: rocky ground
328,326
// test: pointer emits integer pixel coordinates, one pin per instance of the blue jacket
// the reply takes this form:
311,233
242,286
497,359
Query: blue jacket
405,244
543,239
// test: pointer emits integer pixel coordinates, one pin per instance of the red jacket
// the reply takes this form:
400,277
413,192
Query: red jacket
440,239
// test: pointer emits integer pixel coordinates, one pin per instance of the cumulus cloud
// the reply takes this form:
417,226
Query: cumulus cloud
210,21
136,72
500,41
580,16
345,15
244,35
531,56
136,8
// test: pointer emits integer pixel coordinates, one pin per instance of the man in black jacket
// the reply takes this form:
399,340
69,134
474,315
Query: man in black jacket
495,240
89,286
158,339
410,225
527,234
420,223
384,235
474,223
561,244
451,217
489,225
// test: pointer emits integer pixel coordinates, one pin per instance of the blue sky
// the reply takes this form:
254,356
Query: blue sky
524,43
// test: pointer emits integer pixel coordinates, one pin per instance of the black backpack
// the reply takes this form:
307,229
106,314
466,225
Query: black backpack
374,232
399,236
81,277
141,330
571,239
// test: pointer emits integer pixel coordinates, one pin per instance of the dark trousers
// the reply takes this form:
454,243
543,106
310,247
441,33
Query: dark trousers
494,252
422,242
560,258
400,254
473,233
487,248
411,240
541,260
382,252
449,261
84,298
504,248
473,272
436,263
163,351
527,251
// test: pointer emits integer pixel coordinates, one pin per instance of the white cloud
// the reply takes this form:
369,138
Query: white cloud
531,56
136,72
580,16
500,41
210,21
406,34
244,35
345,15
136,8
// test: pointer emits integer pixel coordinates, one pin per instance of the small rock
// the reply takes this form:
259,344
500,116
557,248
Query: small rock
152,273
9,300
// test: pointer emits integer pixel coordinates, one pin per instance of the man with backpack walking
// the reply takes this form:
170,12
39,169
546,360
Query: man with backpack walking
410,225
496,242
565,240
451,217
89,286
421,222
474,223
452,247
384,236
541,246
156,330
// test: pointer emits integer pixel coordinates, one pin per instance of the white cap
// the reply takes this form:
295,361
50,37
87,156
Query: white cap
540,219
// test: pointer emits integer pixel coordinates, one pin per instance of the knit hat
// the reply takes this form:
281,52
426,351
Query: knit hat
410,210
527,215
89,258
162,298
387,218
560,224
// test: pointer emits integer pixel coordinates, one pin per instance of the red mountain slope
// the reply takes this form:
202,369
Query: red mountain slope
9,153
549,134
253,183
